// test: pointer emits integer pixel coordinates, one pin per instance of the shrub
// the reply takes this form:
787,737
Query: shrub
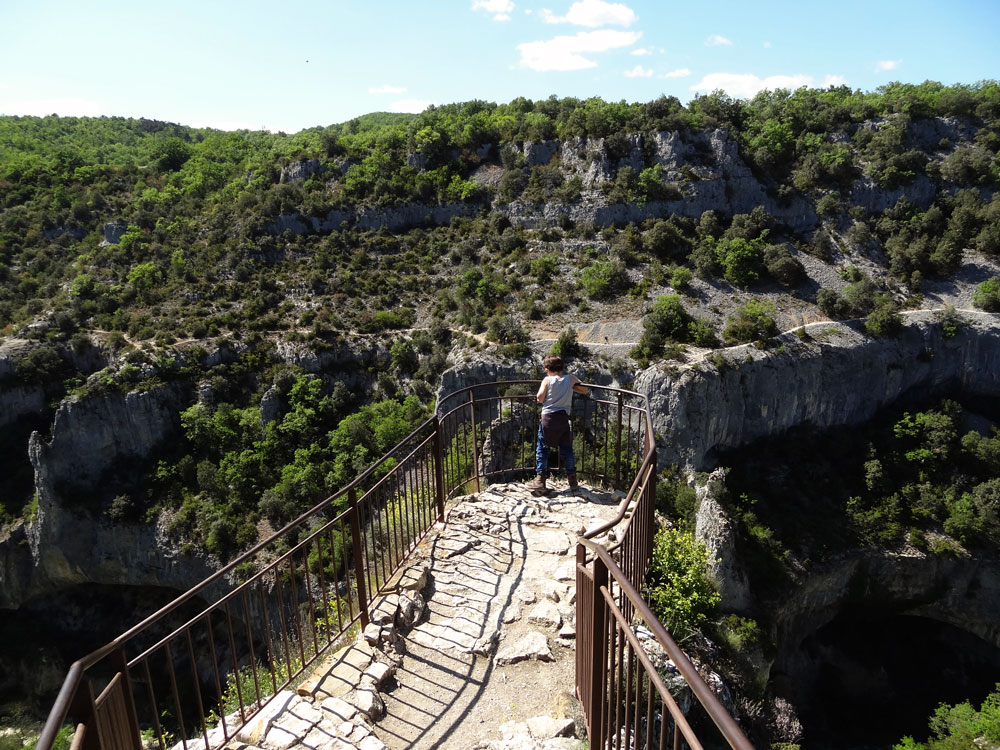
680,278
566,345
664,239
681,592
544,268
604,279
741,260
782,266
751,322
40,365
884,320
701,333
860,295
667,321
829,205
987,295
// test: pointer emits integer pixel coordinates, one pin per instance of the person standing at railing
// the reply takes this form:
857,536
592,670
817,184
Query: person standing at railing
555,394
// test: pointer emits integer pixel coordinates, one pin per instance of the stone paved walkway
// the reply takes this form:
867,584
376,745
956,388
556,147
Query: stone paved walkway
474,649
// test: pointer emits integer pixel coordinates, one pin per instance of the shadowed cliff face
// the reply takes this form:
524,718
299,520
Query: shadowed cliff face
888,674
836,377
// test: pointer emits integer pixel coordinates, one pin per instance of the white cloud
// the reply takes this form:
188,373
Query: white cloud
594,13
410,105
679,73
67,107
638,72
718,41
568,52
388,89
3,85
642,51
833,80
747,84
882,65
501,9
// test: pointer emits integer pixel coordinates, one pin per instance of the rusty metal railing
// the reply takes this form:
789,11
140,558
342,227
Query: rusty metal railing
196,671
219,651
625,697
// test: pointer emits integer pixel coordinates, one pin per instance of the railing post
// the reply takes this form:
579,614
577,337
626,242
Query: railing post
83,710
359,555
618,443
475,439
120,664
598,655
438,448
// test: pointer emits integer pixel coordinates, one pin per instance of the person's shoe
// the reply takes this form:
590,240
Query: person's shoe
537,485
573,484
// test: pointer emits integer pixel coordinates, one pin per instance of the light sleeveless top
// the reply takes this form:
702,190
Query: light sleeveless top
559,396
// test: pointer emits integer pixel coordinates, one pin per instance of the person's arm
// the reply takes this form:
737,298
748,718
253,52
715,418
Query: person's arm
578,386
543,391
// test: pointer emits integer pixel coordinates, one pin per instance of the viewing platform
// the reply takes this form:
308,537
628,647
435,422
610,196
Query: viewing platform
460,609
475,648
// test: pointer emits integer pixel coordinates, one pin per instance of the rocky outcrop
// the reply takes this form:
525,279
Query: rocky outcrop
20,401
90,434
113,232
836,376
713,526
301,170
69,544
393,218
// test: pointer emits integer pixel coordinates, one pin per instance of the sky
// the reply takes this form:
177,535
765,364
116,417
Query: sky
294,64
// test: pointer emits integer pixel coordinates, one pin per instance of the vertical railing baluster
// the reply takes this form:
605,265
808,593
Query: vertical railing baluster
438,470
359,559
598,652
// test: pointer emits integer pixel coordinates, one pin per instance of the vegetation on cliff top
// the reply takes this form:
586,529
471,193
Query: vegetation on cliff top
224,245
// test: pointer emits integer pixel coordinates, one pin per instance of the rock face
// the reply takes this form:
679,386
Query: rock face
113,232
20,401
705,167
837,377
68,545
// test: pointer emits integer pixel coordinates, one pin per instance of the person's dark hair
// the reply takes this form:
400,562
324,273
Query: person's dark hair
553,363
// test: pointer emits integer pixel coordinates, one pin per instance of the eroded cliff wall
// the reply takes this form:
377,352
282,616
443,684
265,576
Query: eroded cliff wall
68,543
836,376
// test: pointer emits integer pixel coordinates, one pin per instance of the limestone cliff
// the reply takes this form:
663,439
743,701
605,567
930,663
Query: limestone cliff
67,544
705,167
836,376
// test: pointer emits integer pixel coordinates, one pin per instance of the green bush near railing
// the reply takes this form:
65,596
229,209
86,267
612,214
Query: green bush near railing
679,589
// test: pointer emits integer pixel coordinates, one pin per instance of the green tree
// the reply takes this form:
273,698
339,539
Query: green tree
753,321
741,260
987,295
604,279
681,592
960,726
144,278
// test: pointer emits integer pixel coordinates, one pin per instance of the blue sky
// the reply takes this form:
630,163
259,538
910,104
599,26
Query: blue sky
299,63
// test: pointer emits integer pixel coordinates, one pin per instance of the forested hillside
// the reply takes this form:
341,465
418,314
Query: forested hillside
137,253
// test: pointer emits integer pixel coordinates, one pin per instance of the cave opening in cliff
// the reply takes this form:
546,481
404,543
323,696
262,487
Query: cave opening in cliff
867,682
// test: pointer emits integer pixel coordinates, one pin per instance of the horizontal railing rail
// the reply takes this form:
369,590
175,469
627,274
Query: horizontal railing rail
196,670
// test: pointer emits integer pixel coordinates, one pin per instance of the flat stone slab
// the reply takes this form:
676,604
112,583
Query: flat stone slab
553,541
534,645
342,672
545,614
